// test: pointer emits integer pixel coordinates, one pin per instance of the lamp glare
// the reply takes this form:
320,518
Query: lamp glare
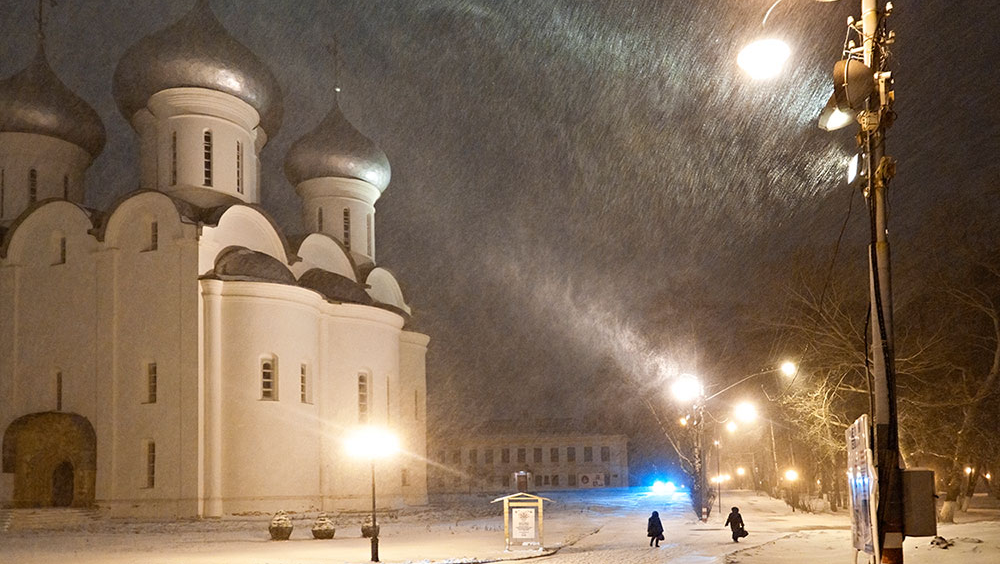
764,58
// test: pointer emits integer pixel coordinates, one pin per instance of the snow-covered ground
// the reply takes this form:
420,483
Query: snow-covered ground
596,526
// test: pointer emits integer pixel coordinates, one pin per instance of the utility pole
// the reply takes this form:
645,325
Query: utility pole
880,169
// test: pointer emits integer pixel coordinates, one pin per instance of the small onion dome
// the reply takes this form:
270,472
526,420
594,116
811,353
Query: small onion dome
34,100
335,149
334,286
197,51
241,263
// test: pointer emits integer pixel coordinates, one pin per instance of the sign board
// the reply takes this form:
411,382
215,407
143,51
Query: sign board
862,481
591,480
522,520
523,523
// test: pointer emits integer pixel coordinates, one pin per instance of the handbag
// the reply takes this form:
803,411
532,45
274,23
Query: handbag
659,537
742,532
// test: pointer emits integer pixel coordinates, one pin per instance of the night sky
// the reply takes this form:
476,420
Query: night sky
583,190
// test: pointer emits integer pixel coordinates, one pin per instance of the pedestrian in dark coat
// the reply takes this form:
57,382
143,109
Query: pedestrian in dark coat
654,529
735,522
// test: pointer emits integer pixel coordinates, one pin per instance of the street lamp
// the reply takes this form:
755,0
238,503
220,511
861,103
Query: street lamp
371,443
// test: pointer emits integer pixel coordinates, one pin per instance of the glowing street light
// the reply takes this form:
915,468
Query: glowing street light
789,368
791,475
745,412
764,58
372,443
741,471
686,388
731,426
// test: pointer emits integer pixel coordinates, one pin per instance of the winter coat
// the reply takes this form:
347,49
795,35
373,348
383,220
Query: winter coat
654,528
735,521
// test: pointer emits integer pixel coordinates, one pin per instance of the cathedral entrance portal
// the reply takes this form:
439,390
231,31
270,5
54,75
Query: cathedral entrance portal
53,457
62,485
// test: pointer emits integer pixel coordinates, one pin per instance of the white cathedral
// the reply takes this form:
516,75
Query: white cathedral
177,355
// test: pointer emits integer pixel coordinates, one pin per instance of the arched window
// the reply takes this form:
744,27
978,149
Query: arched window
304,383
208,157
319,219
239,167
268,379
347,228
154,236
60,253
173,158
362,397
32,186
65,186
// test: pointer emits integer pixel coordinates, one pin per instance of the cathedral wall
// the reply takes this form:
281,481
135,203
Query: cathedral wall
149,317
270,428
59,170
359,340
413,415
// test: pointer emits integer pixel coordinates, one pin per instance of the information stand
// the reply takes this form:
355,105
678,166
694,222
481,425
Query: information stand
522,520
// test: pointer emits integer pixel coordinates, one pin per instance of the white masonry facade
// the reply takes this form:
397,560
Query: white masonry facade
178,355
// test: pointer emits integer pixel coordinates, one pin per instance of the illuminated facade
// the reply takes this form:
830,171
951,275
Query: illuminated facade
177,354
535,462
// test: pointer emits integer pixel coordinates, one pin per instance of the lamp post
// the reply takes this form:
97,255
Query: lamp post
372,443
863,88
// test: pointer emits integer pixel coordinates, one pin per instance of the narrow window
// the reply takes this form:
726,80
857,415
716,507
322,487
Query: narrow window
150,464
154,236
588,454
522,455
505,455
537,455
404,477
369,231
506,480
554,454
347,228
151,382
388,411
65,187
173,158
570,454
32,186
3,188
571,480
303,384
456,456
319,220
268,380
547,480
488,456
239,167
362,397
555,480
208,157
473,456
538,480
59,390
605,454
60,251
416,404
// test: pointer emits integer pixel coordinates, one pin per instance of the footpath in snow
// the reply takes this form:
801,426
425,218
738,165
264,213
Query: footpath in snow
590,526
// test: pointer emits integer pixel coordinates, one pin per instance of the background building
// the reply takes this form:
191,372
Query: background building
500,458
178,354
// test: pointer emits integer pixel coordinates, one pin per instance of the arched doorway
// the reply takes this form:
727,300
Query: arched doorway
62,485
53,457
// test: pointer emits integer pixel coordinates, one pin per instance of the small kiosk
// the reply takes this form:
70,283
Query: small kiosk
522,520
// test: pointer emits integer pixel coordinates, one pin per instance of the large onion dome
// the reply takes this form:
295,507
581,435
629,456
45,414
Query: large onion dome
34,100
197,51
335,149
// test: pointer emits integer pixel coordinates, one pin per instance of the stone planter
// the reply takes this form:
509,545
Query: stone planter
281,526
323,527
367,531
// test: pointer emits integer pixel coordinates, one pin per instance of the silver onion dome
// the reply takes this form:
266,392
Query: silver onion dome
197,51
336,149
34,100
